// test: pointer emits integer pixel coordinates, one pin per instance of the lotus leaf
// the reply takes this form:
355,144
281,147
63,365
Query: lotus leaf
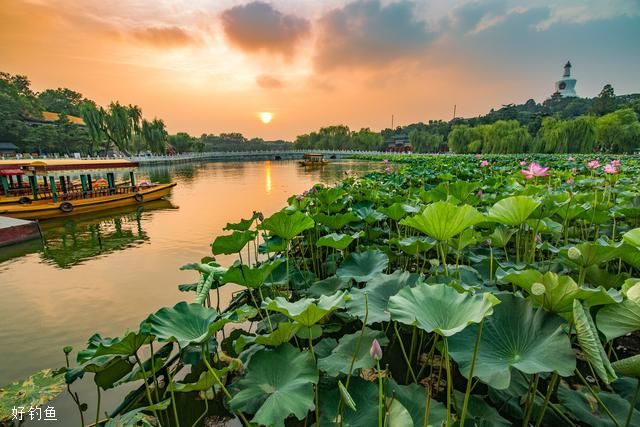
233,243
439,308
619,319
378,291
36,390
629,367
368,214
185,323
632,237
336,221
339,361
279,382
306,311
513,211
557,293
414,245
584,408
515,336
443,220
335,240
590,343
363,266
286,225
243,225
243,275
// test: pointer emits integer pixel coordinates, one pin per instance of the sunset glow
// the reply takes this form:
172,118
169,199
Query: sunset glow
265,117
204,66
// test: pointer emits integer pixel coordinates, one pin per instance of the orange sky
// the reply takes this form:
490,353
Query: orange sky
212,65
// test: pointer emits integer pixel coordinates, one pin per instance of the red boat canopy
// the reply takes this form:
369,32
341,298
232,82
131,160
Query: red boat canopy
7,172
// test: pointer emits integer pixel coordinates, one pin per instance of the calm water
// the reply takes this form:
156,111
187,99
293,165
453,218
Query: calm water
105,274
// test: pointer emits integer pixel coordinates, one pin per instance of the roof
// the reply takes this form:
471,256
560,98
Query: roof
56,165
8,146
52,117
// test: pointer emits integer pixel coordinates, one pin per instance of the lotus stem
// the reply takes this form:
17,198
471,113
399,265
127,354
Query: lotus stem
547,398
404,353
467,392
411,349
533,387
146,385
600,402
317,411
380,395
173,398
206,410
221,384
98,406
449,380
633,405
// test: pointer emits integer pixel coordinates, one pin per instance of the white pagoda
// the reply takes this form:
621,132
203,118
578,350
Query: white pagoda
566,86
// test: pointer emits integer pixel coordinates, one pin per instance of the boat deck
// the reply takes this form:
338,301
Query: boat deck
13,230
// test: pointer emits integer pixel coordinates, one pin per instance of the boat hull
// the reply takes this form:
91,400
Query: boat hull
308,164
48,209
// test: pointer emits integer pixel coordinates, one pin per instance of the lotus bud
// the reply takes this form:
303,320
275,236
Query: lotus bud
538,289
434,262
574,253
67,349
375,351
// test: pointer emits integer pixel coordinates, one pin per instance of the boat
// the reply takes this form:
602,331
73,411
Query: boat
56,188
313,160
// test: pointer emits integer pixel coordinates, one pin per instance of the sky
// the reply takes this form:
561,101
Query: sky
210,66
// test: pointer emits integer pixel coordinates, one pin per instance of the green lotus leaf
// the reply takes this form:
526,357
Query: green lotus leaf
557,293
336,221
243,225
35,390
132,418
283,334
414,244
368,214
629,367
336,241
328,196
286,225
365,398
306,311
631,289
515,336
413,398
513,211
272,244
124,346
632,237
439,308
397,211
619,319
327,286
501,236
481,412
108,370
592,254
244,275
378,291
278,383
203,268
185,324
339,361
584,408
204,383
443,220
233,243
363,266
159,359
590,343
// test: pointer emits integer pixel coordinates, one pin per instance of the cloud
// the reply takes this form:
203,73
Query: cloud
366,33
170,37
267,81
257,26
473,17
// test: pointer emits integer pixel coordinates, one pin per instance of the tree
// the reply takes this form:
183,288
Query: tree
367,140
605,101
424,141
155,135
505,136
181,141
62,101
462,136
619,132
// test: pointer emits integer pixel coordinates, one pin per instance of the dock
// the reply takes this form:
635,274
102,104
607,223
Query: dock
14,231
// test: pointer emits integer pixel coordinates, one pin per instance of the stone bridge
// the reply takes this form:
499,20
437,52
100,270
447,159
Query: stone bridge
248,155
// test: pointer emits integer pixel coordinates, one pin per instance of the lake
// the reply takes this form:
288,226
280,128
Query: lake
107,273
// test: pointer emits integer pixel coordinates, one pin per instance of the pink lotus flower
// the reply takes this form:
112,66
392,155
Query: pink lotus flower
593,164
522,163
570,180
477,156
534,170
610,169
484,164
616,163
375,351
387,170
574,170
385,161
570,159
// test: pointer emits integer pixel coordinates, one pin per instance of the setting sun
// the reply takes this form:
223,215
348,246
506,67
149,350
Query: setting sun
265,116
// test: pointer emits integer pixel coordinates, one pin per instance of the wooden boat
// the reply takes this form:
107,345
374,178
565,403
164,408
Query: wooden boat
313,160
52,193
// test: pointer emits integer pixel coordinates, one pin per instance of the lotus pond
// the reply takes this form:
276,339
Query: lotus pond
502,290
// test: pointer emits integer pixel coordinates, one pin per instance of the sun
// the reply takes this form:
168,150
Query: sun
265,117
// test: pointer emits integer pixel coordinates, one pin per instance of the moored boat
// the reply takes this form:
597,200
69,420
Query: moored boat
58,188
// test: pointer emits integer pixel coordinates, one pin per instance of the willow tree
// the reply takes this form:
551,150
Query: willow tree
113,126
154,135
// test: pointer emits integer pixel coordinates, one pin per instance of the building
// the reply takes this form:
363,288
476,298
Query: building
566,86
8,149
398,144
50,118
